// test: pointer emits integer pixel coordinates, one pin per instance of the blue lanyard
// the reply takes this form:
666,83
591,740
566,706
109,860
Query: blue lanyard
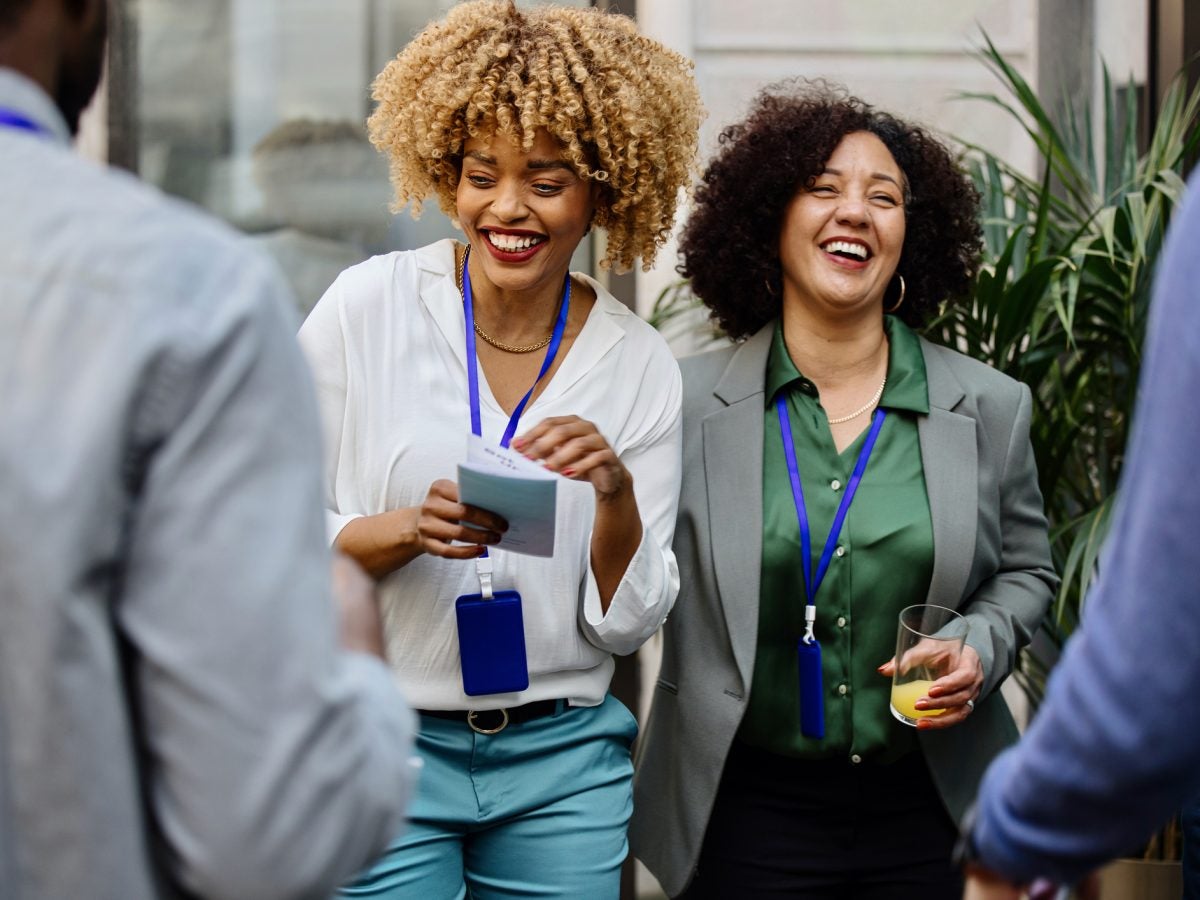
560,327
813,582
11,119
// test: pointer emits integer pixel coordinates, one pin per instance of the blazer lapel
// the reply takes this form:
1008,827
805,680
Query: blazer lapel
950,459
733,437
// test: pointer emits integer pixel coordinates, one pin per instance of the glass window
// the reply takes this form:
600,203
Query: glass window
255,110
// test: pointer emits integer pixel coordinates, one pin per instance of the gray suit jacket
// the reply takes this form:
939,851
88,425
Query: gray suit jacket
991,561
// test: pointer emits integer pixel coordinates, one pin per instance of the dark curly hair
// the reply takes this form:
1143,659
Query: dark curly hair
730,245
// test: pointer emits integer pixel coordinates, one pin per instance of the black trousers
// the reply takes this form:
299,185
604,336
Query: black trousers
826,830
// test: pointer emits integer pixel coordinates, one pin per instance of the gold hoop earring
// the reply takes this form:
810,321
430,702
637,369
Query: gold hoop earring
895,306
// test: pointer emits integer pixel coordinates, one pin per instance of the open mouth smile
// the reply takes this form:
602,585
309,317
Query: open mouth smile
512,246
847,252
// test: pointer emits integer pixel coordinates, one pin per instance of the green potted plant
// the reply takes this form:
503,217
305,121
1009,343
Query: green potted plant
1061,304
1062,298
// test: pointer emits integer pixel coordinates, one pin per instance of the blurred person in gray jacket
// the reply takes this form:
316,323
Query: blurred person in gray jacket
183,710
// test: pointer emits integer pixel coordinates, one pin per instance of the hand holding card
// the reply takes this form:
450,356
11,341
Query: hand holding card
522,492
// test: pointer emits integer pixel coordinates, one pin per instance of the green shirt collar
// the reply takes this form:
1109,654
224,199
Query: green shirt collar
907,387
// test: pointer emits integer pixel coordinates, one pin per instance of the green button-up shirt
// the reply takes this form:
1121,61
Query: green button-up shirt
883,562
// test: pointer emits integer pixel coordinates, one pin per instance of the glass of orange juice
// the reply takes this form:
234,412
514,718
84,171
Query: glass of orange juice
929,641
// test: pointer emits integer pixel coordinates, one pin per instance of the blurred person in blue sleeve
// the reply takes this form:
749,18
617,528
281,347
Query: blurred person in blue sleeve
1115,746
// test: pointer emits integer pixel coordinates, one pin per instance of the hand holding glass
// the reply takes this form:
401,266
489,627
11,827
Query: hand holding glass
929,641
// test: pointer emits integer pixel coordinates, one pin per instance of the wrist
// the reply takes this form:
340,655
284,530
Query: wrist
383,542
622,492
406,536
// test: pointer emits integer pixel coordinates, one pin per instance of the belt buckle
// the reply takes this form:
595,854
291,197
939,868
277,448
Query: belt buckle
481,730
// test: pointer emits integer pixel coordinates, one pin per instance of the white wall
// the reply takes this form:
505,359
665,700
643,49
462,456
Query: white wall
908,58
911,58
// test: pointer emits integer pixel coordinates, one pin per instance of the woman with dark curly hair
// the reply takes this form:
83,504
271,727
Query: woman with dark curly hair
837,468
529,127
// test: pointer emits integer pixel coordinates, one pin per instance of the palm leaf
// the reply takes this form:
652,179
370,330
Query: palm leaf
1062,298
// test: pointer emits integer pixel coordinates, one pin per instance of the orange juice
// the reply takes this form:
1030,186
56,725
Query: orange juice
907,694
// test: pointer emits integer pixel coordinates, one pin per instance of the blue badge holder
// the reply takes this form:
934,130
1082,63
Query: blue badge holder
812,694
491,643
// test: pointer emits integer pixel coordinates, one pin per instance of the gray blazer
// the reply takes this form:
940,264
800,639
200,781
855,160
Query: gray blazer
991,560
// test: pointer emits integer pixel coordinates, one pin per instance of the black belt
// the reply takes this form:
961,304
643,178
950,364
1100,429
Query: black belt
491,721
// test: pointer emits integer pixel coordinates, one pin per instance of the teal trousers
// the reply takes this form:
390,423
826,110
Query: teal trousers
540,809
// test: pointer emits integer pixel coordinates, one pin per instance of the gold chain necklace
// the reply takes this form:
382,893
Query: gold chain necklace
507,348
862,409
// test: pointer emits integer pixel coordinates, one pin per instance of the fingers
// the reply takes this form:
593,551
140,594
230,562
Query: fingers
572,424
952,693
942,711
888,669
957,705
574,448
454,530
957,682
947,719
559,441
951,697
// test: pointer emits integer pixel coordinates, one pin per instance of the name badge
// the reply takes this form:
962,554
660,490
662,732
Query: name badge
491,643
812,691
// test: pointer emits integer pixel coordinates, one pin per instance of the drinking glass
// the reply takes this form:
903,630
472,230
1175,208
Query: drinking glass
929,641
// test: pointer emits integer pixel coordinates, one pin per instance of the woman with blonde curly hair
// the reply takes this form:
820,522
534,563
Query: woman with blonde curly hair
528,127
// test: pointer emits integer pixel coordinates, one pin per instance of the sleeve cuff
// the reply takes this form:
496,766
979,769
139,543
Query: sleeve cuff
640,604
335,522
989,825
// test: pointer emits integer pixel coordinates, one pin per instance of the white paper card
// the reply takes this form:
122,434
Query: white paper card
522,492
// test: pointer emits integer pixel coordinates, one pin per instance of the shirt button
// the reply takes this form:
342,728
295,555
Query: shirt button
842,689
840,551
835,484
855,758
841,621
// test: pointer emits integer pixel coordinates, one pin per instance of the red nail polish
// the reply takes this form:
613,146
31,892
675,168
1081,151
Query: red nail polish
518,443
570,473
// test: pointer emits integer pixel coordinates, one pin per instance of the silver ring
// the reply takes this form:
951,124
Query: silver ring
971,705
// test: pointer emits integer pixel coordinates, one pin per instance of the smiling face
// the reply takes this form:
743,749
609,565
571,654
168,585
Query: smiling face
843,233
523,213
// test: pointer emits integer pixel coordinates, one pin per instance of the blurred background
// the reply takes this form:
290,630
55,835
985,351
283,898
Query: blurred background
255,110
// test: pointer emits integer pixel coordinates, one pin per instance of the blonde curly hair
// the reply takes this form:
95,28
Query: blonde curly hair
625,109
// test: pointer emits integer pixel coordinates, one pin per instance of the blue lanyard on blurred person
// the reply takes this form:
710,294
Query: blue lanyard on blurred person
808,649
10,118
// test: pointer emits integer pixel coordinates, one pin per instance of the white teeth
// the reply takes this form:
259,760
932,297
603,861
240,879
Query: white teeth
512,243
846,247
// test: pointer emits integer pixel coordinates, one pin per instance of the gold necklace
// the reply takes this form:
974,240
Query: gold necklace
862,409
510,348
507,348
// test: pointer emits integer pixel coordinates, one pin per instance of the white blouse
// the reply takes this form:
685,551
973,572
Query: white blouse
386,346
